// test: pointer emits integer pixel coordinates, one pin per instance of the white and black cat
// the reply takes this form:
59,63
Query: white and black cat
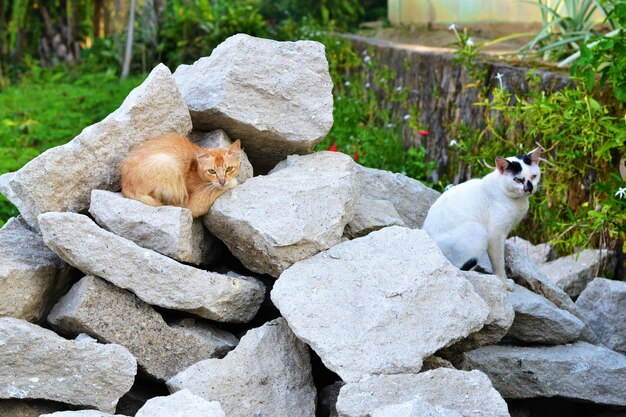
471,221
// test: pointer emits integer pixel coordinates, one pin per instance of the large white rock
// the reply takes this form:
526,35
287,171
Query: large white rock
154,278
540,321
578,371
37,363
32,277
300,209
540,253
181,404
414,408
603,304
267,374
113,315
169,230
274,96
219,139
411,198
61,179
468,393
379,304
572,273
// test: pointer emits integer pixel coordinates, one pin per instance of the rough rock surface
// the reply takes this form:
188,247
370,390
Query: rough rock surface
31,275
29,408
603,304
169,230
468,393
181,404
527,274
572,273
81,413
411,198
300,209
219,139
414,408
365,314
579,371
539,320
268,373
492,290
113,315
371,215
61,179
37,363
539,254
273,116
154,278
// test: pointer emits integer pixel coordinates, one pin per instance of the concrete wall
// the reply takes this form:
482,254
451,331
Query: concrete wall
420,12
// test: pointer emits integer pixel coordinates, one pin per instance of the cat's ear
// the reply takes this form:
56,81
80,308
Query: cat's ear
535,154
501,164
235,148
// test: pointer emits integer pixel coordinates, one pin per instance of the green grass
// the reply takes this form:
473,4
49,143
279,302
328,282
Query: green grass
47,109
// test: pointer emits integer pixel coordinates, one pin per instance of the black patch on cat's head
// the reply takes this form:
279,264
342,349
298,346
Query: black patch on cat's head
525,158
514,167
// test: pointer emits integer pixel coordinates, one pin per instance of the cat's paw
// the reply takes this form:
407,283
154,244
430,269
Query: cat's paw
508,283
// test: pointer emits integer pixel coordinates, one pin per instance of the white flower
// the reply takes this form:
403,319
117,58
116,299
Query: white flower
499,77
621,192
452,27
399,88
407,117
338,97
390,125
367,85
469,42
453,142
367,58
347,83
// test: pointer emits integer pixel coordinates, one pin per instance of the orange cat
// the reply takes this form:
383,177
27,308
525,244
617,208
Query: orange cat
171,170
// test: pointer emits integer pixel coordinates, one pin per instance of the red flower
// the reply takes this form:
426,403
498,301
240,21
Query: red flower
333,148
355,156
423,133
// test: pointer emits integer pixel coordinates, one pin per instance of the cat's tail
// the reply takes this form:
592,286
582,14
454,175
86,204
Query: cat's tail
469,264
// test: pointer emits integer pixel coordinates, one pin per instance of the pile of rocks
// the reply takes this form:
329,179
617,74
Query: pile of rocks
109,301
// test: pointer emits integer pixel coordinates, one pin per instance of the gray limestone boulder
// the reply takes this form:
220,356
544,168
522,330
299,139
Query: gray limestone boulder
276,97
62,178
81,413
219,139
371,215
411,198
113,315
469,394
414,408
603,304
182,403
29,408
267,374
383,314
540,254
578,371
298,210
572,273
154,278
37,363
169,230
32,277
540,321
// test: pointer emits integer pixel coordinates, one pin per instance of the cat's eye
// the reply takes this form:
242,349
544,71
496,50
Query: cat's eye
518,180
212,171
229,169
533,177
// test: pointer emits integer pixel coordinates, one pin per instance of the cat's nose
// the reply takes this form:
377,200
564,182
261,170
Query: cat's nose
528,187
222,181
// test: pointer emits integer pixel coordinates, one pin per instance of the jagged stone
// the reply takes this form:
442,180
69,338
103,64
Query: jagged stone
274,116
327,400
37,363
468,393
32,277
154,278
300,209
414,408
411,198
268,373
539,254
219,139
28,408
181,403
540,321
603,304
169,230
113,315
82,413
578,371
61,179
572,273
371,215
366,315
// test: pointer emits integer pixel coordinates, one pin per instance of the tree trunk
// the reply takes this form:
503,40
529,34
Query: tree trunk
129,40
